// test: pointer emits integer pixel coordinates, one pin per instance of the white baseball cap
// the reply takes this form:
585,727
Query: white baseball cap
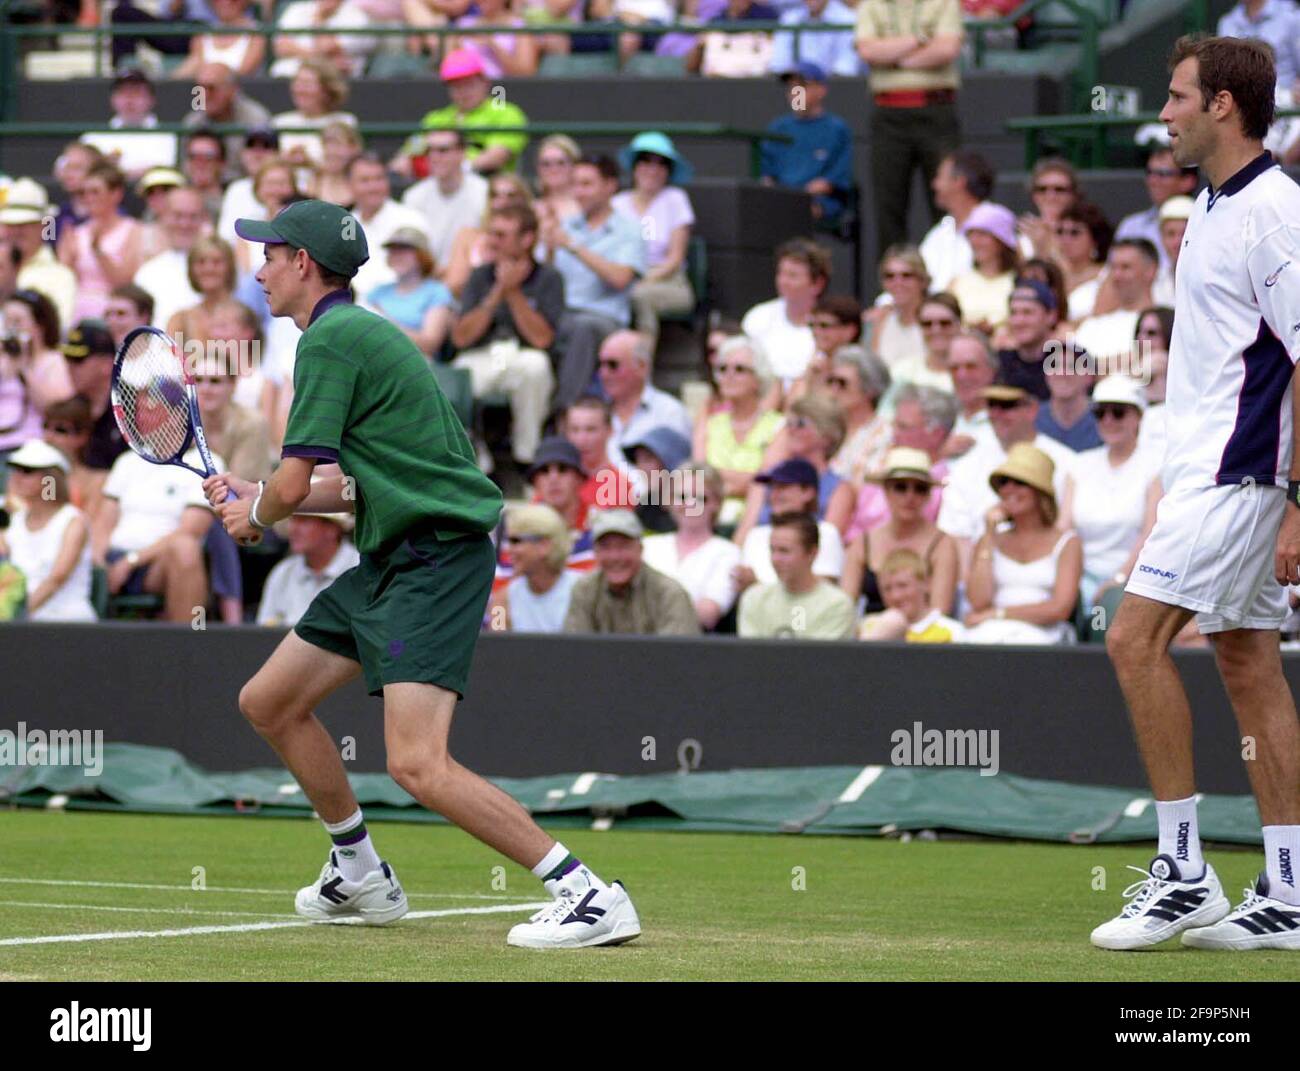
38,454
1120,390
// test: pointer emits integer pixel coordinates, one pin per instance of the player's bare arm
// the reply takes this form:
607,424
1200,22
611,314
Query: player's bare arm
1288,535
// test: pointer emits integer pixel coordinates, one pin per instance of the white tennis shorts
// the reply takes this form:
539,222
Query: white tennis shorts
1211,550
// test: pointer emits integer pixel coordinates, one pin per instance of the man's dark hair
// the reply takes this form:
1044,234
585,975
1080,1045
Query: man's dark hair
208,134
845,308
1142,245
808,253
521,214
455,132
1241,66
803,523
329,278
975,171
137,296
594,403
602,163
368,156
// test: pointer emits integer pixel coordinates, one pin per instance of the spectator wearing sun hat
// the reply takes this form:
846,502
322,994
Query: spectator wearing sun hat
153,188
1023,582
48,538
818,158
415,301
1111,496
657,203
623,594
1173,217
984,292
472,105
22,221
319,553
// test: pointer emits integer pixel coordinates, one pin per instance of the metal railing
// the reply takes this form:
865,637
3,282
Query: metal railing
1086,135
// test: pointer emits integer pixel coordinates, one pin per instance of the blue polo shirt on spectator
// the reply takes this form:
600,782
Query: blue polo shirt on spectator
833,51
618,238
1079,436
822,148
1277,23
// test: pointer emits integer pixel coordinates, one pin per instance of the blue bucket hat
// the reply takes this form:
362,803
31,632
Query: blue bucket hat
651,141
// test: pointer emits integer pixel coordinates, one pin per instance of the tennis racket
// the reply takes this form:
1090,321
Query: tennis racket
156,406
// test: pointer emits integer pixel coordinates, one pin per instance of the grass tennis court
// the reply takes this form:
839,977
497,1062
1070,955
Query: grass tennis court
712,906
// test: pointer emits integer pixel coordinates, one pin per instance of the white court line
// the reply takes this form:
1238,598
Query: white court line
227,889
860,784
148,910
250,927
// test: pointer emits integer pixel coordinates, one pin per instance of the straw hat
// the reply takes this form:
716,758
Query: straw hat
905,463
1028,465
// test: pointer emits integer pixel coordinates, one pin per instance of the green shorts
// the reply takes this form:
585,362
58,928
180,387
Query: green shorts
412,614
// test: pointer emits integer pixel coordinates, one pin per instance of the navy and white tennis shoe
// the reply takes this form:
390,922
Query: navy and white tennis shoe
1259,921
584,914
377,899
1161,906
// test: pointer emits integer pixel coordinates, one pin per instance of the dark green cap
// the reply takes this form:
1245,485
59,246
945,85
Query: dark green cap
331,235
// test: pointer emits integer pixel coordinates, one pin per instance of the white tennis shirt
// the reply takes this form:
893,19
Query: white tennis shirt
1236,333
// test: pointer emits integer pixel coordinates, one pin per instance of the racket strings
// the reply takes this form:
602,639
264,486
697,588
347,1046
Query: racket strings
152,399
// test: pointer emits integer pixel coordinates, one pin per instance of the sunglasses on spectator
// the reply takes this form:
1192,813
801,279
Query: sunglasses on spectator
1164,172
1119,412
723,369
1001,481
516,539
61,429
1044,187
1005,403
906,487
1071,232
947,323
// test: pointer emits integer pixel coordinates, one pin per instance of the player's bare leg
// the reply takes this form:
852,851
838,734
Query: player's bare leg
1250,663
417,723
1179,889
280,703
1138,644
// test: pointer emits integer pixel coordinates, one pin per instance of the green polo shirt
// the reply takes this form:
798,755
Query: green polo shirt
365,397
490,113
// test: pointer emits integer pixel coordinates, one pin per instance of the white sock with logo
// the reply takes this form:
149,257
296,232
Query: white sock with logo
1180,836
353,852
1281,859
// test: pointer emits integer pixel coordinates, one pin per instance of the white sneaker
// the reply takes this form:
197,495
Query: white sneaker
1260,921
582,916
1161,906
377,898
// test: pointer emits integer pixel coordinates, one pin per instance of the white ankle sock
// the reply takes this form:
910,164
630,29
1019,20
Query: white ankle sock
355,854
1180,836
1281,860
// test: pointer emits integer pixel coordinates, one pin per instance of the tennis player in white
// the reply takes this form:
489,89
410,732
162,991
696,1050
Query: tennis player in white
1227,535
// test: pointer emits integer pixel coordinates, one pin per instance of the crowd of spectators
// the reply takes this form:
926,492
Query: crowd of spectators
972,457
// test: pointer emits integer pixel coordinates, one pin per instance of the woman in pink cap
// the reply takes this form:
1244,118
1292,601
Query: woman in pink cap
984,292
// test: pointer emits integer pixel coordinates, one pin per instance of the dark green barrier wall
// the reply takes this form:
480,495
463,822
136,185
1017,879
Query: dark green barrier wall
541,705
